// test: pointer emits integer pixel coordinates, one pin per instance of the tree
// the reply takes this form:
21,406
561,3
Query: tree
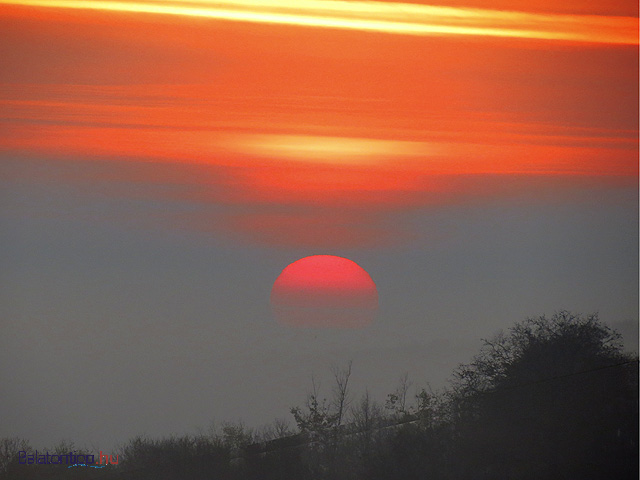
322,418
9,450
397,401
367,426
341,398
316,418
322,421
554,398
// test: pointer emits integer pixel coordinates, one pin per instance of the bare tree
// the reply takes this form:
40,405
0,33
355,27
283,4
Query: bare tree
341,398
397,401
9,448
368,416
320,416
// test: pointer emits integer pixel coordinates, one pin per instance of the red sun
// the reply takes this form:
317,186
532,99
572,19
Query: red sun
324,291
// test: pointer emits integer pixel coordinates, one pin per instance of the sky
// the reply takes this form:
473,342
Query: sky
162,162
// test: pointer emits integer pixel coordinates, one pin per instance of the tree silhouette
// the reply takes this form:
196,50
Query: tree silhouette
555,398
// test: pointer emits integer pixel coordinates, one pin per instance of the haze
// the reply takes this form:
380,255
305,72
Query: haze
160,169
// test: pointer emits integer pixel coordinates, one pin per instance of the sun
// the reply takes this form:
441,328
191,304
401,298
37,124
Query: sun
324,291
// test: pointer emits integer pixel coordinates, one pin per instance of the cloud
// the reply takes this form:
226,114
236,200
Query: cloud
395,18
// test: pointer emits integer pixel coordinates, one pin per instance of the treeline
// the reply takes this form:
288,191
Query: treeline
553,398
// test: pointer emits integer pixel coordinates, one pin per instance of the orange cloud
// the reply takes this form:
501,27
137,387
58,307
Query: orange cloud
394,18
314,136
